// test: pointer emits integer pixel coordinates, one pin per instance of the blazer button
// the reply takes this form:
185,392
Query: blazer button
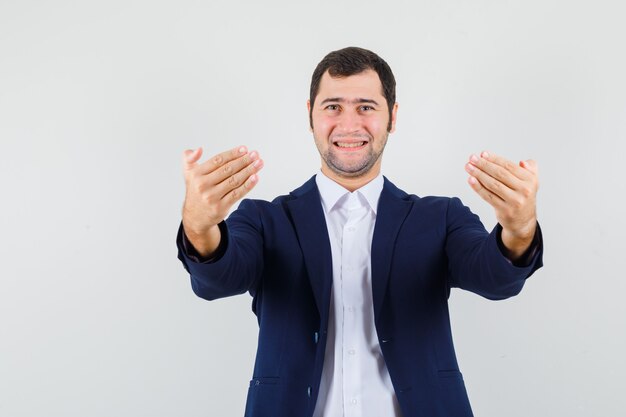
316,337
308,392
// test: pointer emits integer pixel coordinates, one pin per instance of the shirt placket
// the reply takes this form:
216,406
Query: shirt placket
351,269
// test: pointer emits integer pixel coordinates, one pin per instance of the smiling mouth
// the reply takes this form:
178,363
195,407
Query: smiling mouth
349,144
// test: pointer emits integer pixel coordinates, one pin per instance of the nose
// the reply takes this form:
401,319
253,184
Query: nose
349,121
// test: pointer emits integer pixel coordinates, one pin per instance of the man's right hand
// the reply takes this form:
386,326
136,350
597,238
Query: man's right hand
212,187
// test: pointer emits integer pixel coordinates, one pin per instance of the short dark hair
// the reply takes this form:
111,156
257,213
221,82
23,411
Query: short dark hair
350,61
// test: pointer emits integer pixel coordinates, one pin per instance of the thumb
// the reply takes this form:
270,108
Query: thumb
191,156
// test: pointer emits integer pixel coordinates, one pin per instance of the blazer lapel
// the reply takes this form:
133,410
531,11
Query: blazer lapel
391,213
309,223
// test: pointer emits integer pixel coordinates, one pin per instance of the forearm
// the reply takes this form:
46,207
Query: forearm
478,262
235,265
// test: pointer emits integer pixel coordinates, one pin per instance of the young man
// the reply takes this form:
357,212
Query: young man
350,275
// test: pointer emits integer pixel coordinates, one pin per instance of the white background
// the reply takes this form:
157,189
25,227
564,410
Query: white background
99,99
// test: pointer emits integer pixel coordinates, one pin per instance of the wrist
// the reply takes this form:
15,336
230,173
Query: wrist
204,241
516,242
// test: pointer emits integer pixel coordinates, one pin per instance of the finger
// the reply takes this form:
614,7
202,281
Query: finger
485,194
530,165
499,168
220,159
238,193
239,174
515,169
227,171
191,156
494,185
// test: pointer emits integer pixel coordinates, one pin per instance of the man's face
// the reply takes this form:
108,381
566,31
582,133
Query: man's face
349,122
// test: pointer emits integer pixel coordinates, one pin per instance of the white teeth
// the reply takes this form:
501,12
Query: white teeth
350,144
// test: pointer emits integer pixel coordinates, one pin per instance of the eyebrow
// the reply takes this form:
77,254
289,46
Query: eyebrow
343,100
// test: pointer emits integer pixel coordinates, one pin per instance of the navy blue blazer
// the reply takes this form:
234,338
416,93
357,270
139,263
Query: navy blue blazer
279,251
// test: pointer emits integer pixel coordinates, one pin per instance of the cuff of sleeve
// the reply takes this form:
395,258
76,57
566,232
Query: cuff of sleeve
528,257
190,252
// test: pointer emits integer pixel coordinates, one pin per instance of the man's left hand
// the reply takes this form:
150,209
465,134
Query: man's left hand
512,190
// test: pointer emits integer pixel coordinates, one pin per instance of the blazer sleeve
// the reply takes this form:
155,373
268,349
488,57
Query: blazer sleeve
239,265
475,259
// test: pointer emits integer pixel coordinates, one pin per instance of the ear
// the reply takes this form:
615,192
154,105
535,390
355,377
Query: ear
308,114
393,118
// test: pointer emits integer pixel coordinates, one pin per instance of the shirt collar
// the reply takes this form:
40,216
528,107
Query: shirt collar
331,192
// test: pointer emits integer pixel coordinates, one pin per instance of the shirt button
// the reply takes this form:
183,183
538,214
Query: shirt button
351,352
351,229
353,401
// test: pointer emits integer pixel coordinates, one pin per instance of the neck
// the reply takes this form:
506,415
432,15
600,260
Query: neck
352,183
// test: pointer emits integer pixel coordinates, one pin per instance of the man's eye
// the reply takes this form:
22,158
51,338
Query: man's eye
332,107
366,108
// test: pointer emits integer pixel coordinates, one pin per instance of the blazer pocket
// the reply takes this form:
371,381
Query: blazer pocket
264,380
264,395
450,374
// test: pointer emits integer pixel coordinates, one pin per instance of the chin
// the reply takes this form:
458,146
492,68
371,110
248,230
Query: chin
351,172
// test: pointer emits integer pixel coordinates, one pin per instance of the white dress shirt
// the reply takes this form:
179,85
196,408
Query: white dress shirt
355,380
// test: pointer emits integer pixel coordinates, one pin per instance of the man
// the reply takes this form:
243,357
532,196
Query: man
350,276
